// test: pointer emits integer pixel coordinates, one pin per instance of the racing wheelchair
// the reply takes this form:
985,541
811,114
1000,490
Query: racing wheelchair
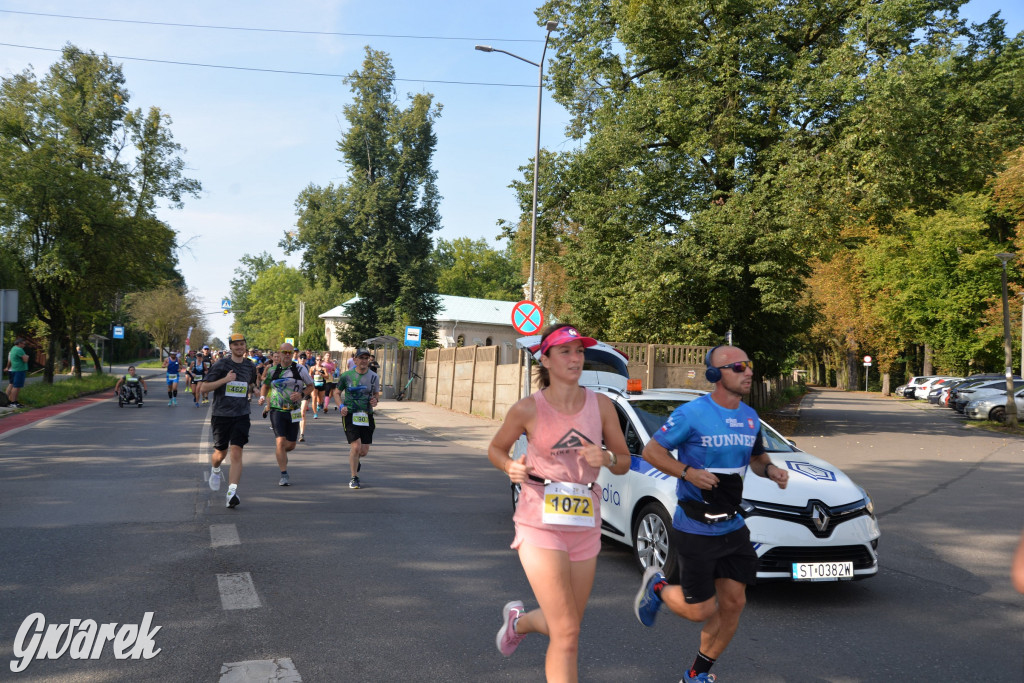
130,392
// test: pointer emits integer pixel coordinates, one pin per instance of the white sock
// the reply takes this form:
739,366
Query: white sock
215,470
232,487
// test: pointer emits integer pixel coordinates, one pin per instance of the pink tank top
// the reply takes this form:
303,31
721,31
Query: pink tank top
553,453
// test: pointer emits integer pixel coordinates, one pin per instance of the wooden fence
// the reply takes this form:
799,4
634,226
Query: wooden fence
471,380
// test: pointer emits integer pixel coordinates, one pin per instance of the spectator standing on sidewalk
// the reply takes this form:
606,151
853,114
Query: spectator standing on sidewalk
17,361
558,544
229,381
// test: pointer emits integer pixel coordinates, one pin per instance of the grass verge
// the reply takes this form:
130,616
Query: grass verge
149,364
998,427
38,394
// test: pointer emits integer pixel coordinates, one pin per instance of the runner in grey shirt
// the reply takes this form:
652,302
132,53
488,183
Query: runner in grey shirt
229,380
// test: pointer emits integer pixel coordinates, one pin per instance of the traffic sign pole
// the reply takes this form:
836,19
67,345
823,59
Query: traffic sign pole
527,318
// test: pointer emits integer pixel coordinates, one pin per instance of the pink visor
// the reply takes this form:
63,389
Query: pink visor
564,335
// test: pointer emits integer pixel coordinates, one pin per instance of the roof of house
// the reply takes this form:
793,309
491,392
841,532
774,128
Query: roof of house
460,308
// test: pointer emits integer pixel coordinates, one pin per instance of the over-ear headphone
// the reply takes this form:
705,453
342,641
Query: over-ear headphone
712,374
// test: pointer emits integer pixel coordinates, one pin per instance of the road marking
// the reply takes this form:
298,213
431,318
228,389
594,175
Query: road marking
237,591
223,534
260,671
410,439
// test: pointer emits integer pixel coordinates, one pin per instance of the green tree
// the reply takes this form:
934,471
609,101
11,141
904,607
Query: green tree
272,309
82,177
724,148
372,234
467,267
245,275
166,314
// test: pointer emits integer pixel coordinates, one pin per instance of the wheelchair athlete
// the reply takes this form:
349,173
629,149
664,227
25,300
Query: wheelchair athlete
130,388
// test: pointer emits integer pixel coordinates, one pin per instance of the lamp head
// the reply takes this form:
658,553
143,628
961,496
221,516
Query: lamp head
552,24
1004,257
485,48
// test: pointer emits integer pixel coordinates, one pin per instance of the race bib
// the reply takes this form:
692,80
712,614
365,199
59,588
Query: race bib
318,384
236,389
297,415
172,377
568,504
132,380
361,419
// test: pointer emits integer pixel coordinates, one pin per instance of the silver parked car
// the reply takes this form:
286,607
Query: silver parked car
993,407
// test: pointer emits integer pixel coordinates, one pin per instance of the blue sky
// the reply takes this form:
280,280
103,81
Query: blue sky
256,139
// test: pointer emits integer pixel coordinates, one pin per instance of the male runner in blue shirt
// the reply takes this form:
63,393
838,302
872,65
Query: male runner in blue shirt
717,437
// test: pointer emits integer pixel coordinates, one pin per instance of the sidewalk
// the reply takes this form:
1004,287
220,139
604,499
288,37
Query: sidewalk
466,430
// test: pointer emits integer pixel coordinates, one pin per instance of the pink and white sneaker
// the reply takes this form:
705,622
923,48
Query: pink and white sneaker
507,639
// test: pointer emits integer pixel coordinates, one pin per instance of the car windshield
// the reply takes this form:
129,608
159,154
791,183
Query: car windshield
654,412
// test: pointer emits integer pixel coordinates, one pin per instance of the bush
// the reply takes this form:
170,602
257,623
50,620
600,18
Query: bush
38,394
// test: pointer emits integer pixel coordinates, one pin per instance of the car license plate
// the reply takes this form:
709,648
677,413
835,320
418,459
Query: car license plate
822,571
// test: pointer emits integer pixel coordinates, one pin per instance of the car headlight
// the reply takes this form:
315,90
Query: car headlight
867,502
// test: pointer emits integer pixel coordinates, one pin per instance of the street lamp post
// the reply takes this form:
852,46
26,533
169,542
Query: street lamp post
551,26
1011,404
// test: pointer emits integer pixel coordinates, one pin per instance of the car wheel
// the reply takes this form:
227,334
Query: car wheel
997,414
652,543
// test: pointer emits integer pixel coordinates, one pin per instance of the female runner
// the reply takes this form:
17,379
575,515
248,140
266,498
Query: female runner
557,519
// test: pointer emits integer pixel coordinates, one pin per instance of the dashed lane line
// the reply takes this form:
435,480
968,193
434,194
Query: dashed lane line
222,535
237,591
260,671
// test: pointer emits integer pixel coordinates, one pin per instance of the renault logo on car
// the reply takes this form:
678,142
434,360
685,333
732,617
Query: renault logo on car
820,517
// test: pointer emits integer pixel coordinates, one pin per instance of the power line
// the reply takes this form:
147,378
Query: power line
272,71
269,30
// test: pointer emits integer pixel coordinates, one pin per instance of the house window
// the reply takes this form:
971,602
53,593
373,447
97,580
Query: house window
461,341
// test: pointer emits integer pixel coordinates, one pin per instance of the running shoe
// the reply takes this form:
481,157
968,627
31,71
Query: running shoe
699,678
354,483
214,481
284,480
170,402
507,639
196,404
647,604
315,415
206,401
232,498
302,437
175,400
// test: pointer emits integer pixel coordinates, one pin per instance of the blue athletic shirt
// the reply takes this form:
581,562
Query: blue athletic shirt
172,367
713,438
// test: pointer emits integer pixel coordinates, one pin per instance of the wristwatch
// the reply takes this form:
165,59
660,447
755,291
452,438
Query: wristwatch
682,475
614,460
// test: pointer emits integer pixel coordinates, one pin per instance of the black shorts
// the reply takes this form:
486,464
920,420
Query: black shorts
358,432
233,431
702,559
281,421
329,388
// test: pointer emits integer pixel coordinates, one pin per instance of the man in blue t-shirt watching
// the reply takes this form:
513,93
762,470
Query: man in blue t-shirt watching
717,438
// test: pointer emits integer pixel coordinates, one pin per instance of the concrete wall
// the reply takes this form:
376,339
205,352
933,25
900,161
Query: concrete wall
474,380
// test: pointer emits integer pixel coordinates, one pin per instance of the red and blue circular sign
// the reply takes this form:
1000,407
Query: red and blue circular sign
527,317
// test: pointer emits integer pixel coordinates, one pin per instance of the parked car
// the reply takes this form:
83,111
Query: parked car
922,390
822,523
984,390
911,387
973,382
993,407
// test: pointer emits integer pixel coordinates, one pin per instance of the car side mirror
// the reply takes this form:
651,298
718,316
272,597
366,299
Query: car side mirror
791,442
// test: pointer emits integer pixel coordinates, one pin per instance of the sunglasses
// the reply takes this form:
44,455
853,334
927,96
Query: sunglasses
738,366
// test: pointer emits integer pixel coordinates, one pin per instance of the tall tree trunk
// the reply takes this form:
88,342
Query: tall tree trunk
96,363
927,369
885,384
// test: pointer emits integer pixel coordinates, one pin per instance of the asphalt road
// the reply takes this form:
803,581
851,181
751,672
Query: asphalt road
105,515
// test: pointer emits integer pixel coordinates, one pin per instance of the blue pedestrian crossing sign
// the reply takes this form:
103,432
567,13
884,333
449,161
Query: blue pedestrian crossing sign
225,303
413,335
118,331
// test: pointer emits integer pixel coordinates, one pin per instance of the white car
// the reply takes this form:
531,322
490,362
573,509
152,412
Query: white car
921,391
821,527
